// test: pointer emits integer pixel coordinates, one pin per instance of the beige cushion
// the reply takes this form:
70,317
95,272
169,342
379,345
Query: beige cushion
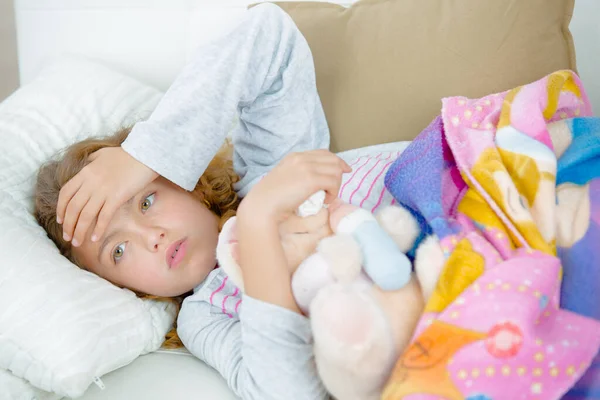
383,65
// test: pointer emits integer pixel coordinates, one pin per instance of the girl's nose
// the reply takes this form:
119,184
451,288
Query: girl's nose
155,238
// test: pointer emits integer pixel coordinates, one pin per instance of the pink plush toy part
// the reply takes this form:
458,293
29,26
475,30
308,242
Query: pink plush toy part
305,230
228,253
360,329
382,260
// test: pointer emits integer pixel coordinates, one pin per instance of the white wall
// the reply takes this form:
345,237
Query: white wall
585,27
9,77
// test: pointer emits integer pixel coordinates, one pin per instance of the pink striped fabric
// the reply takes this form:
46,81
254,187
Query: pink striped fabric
212,296
364,186
227,297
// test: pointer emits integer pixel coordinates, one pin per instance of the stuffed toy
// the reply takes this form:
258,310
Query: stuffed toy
359,290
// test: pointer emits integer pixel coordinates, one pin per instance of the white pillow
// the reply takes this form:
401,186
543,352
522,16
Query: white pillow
14,388
60,327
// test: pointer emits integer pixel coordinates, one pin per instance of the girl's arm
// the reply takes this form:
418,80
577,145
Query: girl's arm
263,73
265,355
268,353
266,273
275,198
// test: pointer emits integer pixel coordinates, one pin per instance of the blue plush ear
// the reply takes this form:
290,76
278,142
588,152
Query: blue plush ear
383,260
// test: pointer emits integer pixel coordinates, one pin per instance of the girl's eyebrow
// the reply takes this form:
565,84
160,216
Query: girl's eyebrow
128,203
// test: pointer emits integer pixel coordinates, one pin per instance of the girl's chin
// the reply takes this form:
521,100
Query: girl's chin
199,275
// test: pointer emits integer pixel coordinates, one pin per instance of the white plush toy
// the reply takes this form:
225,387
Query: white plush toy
358,289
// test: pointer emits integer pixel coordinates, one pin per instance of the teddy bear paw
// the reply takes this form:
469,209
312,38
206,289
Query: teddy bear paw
313,274
343,255
429,261
354,347
400,224
350,328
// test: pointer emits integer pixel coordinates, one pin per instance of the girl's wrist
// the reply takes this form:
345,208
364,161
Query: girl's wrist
256,214
262,256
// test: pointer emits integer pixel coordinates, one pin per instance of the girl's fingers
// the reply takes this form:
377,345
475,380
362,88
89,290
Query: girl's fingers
307,243
326,157
320,233
329,179
74,208
104,217
86,219
347,168
65,195
296,224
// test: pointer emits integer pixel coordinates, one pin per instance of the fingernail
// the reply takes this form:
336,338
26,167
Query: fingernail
66,237
58,219
94,237
75,243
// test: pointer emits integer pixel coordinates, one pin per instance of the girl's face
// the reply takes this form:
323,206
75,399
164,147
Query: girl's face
161,242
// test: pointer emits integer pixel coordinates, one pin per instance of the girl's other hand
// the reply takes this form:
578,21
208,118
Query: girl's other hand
268,260
299,175
301,235
98,190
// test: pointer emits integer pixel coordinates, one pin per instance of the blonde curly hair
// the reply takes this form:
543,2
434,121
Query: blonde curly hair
215,189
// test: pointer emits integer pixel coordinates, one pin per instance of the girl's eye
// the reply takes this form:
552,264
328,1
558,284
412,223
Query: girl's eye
118,252
147,202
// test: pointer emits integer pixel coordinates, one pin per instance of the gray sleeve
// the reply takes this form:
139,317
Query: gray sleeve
267,354
261,73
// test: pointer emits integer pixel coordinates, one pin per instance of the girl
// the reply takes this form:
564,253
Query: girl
156,238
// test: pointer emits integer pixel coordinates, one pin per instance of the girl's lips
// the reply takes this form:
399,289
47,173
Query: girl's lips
176,253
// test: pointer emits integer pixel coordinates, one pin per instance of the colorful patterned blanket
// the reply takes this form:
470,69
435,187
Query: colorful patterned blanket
510,184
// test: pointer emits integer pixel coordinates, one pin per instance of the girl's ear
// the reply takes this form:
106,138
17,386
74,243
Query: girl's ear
228,254
202,197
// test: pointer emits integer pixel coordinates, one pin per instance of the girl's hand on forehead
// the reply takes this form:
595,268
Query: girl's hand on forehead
292,181
98,190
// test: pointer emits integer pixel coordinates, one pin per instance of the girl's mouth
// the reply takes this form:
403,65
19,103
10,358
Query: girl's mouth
176,253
